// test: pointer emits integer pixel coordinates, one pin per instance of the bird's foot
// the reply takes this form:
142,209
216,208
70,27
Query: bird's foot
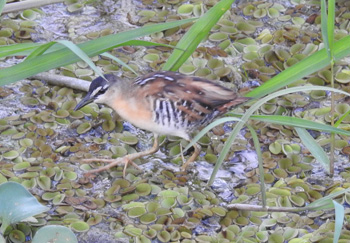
111,163
186,164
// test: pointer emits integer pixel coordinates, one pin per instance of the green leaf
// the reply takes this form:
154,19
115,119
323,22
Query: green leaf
77,51
314,148
18,49
40,50
296,122
250,112
330,27
16,204
326,202
25,49
324,27
198,31
144,43
64,56
2,5
261,164
208,128
54,233
133,43
339,219
106,54
341,118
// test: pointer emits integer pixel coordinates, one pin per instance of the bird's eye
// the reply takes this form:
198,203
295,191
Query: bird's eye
98,91
102,90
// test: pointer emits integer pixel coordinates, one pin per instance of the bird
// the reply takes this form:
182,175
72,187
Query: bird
162,102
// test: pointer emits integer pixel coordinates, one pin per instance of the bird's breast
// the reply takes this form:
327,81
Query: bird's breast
133,111
142,115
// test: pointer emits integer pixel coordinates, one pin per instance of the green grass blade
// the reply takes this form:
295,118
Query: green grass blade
208,128
261,164
323,200
25,49
250,112
143,43
2,5
133,43
296,122
330,25
40,50
314,148
225,151
341,118
309,65
22,49
324,27
81,54
198,31
92,48
106,54
339,219
323,205
327,28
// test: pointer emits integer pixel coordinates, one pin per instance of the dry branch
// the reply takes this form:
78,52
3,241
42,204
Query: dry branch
59,80
248,207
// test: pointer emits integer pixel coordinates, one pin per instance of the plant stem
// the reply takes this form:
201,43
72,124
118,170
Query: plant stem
331,165
261,166
247,207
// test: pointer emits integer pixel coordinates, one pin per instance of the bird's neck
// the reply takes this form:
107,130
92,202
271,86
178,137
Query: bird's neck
117,91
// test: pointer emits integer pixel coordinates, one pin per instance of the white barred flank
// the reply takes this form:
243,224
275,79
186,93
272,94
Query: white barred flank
166,113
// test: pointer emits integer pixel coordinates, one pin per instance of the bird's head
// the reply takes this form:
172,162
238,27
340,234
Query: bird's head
97,90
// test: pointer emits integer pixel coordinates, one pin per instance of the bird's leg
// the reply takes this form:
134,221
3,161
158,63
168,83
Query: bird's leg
182,155
197,150
123,160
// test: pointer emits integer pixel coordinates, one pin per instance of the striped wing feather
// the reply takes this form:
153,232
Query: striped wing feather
186,101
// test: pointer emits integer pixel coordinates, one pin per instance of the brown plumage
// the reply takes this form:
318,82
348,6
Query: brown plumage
164,103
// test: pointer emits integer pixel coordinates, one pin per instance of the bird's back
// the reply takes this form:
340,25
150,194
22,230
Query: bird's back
185,103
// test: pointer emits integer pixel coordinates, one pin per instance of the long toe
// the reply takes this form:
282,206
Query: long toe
111,163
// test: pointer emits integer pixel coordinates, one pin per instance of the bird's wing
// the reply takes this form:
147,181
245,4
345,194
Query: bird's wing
196,99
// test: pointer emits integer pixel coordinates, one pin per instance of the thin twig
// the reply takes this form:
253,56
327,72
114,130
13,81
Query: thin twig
247,207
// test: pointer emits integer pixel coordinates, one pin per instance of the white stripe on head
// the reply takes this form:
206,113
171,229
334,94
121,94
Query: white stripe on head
95,91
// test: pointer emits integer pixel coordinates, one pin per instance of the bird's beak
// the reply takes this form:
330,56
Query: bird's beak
86,100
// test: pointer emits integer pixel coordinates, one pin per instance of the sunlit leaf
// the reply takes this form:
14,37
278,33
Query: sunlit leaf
16,204
314,148
307,66
339,219
198,31
54,233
